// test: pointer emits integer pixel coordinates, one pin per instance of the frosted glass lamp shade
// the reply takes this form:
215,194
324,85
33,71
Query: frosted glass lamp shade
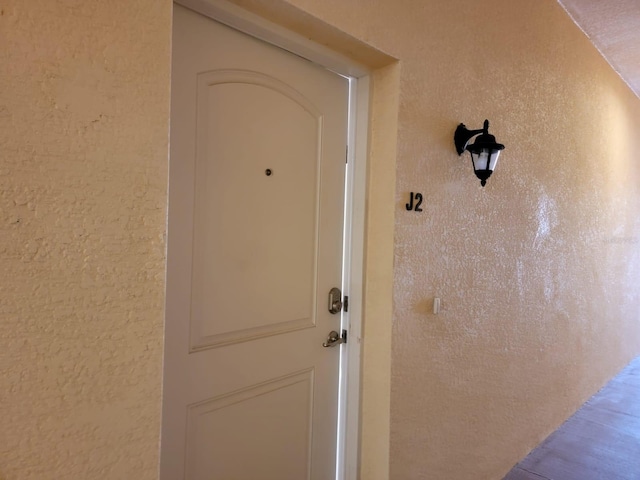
484,163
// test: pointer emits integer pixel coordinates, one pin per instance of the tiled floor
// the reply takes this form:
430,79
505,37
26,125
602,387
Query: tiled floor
600,442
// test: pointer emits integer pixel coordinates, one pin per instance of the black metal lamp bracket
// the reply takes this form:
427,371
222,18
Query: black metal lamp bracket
463,135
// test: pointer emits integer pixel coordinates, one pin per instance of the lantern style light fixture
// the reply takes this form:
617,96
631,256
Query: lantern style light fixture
484,151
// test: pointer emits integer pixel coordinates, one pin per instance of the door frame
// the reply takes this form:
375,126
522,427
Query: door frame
348,451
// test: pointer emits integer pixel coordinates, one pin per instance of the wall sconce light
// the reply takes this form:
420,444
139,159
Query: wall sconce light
484,151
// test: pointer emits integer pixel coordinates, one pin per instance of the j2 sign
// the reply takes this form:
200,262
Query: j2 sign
414,202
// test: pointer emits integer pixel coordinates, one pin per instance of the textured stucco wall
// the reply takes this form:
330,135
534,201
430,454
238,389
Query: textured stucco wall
84,103
537,272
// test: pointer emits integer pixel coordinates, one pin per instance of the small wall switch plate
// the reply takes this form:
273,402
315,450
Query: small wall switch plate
436,306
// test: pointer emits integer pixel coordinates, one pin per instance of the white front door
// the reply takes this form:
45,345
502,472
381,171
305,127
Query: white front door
256,201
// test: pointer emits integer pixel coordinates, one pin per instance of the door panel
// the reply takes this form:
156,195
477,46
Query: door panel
256,200
269,221
221,440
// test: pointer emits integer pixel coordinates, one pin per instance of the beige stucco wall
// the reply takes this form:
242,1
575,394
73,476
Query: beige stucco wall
84,102
536,272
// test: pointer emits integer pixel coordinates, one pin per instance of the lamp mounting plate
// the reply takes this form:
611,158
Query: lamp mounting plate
462,136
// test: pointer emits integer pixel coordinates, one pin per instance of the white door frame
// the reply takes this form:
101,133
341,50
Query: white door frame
347,466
